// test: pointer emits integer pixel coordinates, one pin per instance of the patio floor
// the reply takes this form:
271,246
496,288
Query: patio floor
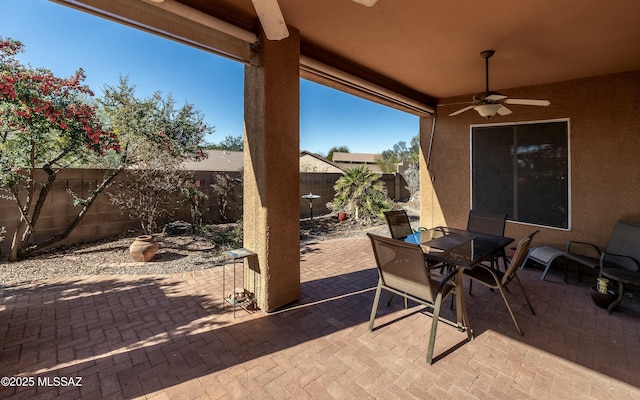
166,337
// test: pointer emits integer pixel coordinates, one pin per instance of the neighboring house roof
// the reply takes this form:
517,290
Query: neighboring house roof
218,160
223,160
351,160
355,158
310,162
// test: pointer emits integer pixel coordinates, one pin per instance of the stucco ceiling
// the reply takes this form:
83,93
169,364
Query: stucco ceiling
433,46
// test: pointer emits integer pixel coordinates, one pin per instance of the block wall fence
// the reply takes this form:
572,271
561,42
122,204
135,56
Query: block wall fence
105,220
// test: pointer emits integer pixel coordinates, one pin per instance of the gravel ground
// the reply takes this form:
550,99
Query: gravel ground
176,254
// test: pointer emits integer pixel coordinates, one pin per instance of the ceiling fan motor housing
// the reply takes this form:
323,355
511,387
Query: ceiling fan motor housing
490,103
482,97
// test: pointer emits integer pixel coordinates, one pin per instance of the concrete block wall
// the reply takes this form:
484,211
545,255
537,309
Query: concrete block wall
105,220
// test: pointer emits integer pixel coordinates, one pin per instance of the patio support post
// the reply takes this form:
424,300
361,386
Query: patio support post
271,210
430,209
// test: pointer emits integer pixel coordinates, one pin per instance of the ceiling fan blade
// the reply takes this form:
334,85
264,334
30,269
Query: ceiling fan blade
527,102
471,107
495,97
504,111
366,3
271,18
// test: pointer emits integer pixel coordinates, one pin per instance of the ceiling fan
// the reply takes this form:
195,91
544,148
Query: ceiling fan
272,21
489,103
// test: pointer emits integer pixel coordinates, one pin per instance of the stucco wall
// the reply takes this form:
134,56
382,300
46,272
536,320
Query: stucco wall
604,143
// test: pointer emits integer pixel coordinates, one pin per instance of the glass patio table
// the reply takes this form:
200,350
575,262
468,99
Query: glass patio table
458,249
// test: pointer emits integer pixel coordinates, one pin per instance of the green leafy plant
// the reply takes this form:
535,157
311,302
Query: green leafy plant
389,159
48,122
45,122
361,195
157,138
230,143
226,236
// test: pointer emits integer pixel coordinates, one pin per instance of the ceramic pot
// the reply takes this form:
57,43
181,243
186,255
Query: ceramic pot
143,248
602,300
342,216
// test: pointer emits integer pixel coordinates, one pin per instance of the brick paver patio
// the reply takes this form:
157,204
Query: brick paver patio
166,337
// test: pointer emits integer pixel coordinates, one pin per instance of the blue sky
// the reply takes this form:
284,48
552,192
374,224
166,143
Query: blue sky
63,39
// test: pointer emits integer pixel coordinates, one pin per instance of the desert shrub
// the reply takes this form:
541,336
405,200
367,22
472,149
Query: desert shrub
150,194
224,186
361,194
227,236
412,176
194,196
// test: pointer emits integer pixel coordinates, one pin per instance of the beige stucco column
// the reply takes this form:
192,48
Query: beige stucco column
430,210
271,170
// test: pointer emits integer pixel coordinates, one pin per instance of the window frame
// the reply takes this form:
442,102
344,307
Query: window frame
569,174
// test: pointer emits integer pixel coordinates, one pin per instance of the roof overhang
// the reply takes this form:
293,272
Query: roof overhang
409,53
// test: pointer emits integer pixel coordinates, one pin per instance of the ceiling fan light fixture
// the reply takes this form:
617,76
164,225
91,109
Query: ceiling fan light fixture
366,3
487,110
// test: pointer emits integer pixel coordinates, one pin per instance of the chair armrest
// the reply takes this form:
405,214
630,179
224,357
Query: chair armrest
446,280
605,254
582,244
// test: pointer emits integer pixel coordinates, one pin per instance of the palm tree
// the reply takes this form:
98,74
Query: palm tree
361,194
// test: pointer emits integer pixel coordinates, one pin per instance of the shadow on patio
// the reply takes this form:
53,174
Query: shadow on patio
167,337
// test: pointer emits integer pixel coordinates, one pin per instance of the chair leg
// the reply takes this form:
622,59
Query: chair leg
546,271
505,260
374,308
525,295
513,317
619,299
434,327
388,303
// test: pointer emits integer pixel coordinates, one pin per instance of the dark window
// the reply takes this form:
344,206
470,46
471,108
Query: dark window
522,170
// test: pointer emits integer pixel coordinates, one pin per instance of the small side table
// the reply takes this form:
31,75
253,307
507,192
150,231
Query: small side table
249,298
